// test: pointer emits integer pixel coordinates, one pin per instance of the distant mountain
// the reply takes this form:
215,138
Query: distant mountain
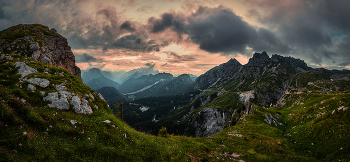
113,75
193,77
156,85
96,80
136,73
135,84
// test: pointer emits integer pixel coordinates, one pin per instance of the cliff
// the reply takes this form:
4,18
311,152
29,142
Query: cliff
39,43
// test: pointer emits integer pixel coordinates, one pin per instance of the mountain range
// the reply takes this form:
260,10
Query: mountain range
271,109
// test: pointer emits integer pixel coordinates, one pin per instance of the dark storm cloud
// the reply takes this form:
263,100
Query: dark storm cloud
150,66
308,27
160,25
221,31
85,58
337,13
268,41
136,43
167,20
127,26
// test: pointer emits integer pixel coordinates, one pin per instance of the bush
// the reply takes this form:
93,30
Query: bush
163,132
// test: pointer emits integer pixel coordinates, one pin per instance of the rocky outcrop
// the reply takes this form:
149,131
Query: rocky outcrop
80,106
245,97
209,122
217,73
41,44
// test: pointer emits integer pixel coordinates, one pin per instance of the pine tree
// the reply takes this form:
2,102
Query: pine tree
119,107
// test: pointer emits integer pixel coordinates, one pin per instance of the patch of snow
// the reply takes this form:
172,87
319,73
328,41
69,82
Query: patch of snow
144,88
144,108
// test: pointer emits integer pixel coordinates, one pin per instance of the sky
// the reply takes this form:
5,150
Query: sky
190,36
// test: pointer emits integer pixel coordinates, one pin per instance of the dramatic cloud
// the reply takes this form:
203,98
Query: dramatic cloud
127,26
166,21
310,28
220,30
136,43
191,36
85,58
175,58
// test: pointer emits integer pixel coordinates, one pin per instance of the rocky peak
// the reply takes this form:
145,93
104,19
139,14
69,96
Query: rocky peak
295,63
259,59
95,71
38,42
185,78
92,74
217,73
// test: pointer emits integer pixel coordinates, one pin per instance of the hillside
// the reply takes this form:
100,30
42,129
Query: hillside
111,95
48,114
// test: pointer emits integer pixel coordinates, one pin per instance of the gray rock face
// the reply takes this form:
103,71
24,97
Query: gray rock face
92,96
245,97
208,122
43,83
81,107
24,69
60,103
269,119
31,88
100,95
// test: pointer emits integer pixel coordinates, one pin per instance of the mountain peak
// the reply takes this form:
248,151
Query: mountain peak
95,71
259,59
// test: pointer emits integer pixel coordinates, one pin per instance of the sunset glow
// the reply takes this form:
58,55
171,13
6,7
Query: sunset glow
186,36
